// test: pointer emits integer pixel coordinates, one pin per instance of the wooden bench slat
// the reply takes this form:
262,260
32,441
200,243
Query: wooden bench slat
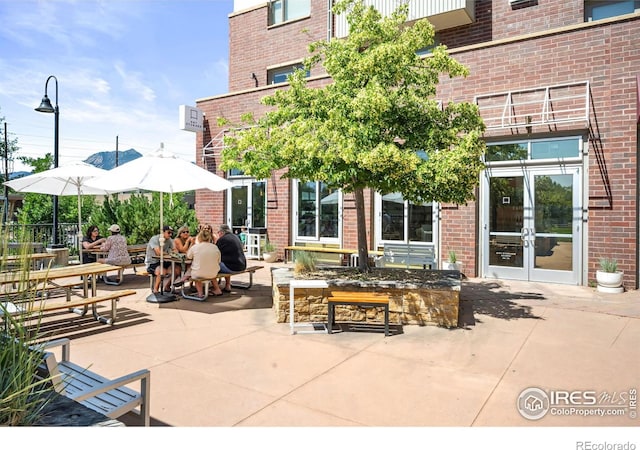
43,306
373,299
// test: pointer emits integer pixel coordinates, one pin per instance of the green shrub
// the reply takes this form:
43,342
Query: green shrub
304,261
452,256
22,395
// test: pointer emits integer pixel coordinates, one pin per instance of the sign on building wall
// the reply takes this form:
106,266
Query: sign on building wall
191,118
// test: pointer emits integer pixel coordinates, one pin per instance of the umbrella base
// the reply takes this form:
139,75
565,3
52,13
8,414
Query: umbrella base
165,297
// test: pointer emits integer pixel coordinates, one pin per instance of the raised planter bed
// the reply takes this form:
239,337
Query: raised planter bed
417,296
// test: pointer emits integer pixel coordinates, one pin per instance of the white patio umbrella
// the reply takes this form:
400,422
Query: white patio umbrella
69,179
159,171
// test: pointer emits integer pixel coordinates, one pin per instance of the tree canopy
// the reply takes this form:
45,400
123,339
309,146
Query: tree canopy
378,124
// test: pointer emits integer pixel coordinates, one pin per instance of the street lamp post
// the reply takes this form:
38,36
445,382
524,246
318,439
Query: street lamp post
45,107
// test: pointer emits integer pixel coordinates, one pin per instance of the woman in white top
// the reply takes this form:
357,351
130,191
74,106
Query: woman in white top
205,262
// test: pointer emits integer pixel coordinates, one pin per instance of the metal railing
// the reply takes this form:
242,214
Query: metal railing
42,233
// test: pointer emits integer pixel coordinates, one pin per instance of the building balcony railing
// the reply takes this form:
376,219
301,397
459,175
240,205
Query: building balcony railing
442,14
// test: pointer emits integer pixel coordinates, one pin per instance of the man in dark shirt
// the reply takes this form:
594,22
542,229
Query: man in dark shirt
232,254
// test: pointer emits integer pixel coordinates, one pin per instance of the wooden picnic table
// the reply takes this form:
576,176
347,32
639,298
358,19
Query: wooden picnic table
135,251
37,279
37,260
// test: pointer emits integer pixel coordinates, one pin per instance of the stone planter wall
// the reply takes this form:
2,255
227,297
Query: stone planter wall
433,302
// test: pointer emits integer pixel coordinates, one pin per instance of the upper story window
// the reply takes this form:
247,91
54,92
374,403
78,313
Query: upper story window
280,74
281,11
600,9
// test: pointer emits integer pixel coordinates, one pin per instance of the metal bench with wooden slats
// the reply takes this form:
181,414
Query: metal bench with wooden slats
365,299
407,255
288,251
109,397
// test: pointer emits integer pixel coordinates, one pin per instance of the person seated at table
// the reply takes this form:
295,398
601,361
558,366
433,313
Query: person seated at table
205,262
116,245
152,258
91,241
232,254
182,243
206,226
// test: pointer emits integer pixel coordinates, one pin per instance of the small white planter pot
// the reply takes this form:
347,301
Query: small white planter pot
270,257
610,282
446,265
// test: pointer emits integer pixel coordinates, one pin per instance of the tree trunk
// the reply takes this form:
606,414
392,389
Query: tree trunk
363,252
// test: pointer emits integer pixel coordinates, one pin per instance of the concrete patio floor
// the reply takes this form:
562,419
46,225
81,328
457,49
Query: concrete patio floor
227,363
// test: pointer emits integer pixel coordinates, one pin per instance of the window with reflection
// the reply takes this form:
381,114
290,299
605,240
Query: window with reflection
554,149
281,11
403,221
317,211
603,9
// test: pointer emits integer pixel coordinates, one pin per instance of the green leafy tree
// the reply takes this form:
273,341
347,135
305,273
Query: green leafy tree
12,148
37,208
376,126
139,215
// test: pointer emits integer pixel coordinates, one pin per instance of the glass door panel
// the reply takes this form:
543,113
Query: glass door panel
239,210
506,225
532,218
557,218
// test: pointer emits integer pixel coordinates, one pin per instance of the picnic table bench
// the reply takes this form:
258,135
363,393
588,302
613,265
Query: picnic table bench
250,270
111,398
137,252
42,306
288,251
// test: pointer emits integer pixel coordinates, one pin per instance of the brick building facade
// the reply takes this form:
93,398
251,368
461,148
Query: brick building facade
557,85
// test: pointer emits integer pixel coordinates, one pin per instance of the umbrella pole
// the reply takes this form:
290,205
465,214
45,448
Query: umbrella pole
161,297
80,227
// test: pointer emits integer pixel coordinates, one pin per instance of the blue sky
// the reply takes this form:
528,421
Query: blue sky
123,68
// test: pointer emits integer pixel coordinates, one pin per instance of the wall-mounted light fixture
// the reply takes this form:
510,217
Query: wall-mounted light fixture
254,77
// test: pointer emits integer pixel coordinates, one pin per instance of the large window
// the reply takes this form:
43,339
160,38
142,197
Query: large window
281,11
317,211
405,222
603,9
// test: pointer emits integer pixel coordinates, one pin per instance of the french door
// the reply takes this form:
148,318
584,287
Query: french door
532,224
247,204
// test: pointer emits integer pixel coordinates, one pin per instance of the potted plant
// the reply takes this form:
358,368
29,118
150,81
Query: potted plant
609,278
452,263
269,253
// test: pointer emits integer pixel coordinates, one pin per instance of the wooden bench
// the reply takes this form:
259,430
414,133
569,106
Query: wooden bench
206,281
37,307
30,247
109,397
288,251
406,255
364,299
120,277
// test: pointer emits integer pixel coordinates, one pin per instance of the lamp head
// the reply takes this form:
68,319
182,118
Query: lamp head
45,106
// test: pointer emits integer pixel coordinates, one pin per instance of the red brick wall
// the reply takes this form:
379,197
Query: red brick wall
609,58
497,19
253,46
